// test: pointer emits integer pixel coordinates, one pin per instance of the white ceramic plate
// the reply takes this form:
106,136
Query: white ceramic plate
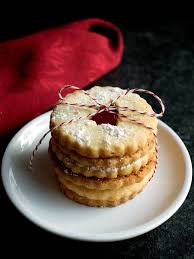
37,196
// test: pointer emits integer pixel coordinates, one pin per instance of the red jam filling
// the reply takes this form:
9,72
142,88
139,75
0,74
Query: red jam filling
106,117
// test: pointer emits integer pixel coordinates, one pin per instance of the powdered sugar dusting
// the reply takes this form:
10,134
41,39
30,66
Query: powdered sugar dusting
100,97
79,133
65,113
81,136
108,94
138,162
113,131
115,169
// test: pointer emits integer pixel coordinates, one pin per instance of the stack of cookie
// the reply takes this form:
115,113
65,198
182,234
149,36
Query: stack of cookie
102,159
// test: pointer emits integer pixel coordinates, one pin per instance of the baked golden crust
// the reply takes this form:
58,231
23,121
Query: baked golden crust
115,168
102,164
95,203
116,161
98,183
112,197
103,192
102,141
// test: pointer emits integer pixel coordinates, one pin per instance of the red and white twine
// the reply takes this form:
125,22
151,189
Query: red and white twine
111,108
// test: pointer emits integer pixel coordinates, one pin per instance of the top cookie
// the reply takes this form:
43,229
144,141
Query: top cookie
97,137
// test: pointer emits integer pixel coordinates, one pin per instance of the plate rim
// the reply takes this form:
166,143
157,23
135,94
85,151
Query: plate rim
109,236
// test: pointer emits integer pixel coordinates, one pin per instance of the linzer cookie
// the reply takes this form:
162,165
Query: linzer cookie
105,134
109,168
103,147
93,191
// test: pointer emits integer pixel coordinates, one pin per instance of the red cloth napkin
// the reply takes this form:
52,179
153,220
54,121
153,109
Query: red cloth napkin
33,68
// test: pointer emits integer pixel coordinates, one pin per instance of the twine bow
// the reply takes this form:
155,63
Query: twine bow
110,107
